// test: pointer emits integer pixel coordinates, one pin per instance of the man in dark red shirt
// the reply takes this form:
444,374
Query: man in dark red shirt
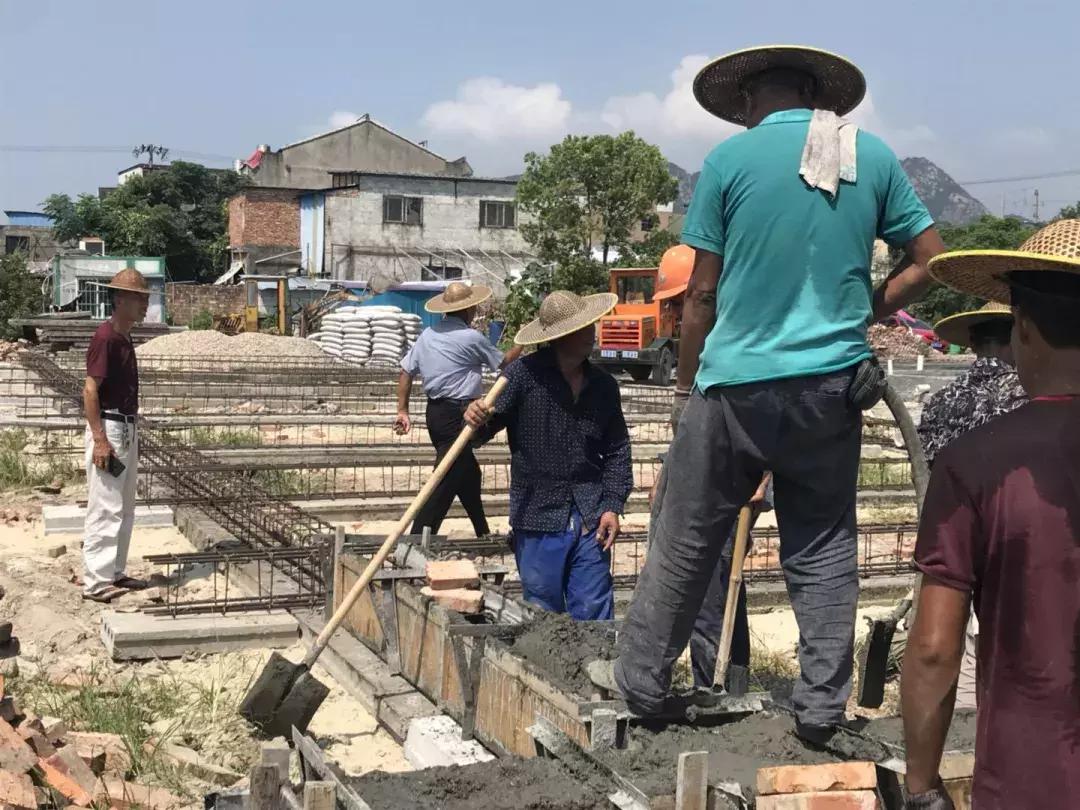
1000,531
111,402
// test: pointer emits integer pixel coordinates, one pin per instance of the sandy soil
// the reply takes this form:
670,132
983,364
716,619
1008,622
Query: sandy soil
59,634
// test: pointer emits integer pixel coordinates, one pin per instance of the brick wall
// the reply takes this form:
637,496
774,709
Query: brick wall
184,301
264,217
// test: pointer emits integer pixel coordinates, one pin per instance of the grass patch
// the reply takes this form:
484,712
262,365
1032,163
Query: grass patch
771,669
281,483
20,470
885,474
203,437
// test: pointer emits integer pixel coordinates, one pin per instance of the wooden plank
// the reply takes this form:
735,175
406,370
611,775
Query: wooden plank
319,795
312,758
265,790
692,781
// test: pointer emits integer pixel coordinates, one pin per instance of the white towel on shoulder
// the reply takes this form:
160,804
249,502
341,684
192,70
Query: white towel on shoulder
829,154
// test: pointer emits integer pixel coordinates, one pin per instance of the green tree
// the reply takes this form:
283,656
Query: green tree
1069,212
986,233
20,293
523,297
590,191
179,213
649,252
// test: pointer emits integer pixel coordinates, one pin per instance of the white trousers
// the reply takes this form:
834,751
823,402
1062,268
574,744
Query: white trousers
110,508
965,684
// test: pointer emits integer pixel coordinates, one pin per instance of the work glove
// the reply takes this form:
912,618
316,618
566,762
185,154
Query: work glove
678,405
934,799
868,385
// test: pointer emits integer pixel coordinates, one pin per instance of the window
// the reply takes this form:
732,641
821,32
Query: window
433,272
647,223
636,289
17,244
406,210
343,179
94,298
496,214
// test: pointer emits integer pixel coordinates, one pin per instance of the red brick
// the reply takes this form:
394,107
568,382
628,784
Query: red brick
54,772
17,790
37,741
15,755
265,217
184,301
462,600
829,800
445,575
815,778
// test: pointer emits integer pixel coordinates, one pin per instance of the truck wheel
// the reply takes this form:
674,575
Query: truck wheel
661,372
640,373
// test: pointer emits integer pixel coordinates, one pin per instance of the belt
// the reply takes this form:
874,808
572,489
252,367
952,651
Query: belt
119,417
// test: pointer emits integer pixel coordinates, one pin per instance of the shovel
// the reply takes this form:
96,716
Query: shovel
287,695
874,661
735,579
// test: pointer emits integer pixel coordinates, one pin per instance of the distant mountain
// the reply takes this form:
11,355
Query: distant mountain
947,200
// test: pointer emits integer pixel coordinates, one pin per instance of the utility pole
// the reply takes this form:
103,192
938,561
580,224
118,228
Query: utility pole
1037,206
150,149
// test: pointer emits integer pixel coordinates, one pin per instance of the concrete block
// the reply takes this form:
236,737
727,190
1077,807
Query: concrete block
817,778
445,575
434,742
135,636
460,599
128,795
67,518
93,746
828,800
604,730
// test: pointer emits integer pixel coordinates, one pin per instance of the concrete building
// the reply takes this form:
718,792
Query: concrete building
363,146
30,233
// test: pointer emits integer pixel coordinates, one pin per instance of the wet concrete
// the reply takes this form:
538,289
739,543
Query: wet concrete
736,750
891,730
504,784
561,648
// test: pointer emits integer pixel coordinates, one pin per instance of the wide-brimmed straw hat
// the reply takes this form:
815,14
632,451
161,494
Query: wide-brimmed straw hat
957,328
985,273
129,280
458,296
839,85
562,313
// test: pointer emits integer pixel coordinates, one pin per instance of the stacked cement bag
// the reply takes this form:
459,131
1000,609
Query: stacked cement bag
373,335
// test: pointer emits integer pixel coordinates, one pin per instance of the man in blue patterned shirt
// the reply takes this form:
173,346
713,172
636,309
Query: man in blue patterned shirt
570,471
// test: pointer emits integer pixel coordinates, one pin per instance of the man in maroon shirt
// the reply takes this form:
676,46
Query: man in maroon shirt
111,402
1000,531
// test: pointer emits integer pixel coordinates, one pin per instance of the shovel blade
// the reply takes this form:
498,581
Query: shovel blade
298,706
874,665
273,685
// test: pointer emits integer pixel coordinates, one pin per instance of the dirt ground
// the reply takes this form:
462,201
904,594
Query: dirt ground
59,637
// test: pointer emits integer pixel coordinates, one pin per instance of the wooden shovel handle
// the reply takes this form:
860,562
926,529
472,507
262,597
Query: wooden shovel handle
402,526
723,655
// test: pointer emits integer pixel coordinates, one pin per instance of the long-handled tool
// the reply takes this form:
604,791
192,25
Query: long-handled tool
734,586
287,694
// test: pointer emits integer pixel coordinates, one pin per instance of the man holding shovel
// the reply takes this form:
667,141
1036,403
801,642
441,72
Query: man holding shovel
774,366
570,471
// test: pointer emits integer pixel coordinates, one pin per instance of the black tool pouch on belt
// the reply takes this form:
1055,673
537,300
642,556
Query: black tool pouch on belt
868,385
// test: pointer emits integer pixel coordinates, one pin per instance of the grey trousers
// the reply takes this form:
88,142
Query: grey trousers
805,432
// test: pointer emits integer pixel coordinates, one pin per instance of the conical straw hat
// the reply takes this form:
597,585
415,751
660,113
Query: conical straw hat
458,296
562,313
957,328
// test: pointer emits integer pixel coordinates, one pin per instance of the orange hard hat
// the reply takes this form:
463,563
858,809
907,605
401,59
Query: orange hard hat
675,267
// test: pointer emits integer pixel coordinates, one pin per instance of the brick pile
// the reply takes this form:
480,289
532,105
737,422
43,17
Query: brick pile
455,584
45,765
896,342
833,786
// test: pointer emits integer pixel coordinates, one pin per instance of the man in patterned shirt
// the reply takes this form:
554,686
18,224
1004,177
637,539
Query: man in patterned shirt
990,388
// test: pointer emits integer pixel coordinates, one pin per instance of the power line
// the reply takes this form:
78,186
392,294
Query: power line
104,150
1047,176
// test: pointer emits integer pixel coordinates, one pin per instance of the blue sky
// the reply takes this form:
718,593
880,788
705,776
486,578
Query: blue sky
986,93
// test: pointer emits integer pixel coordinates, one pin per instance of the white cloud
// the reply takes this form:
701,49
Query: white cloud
903,140
674,116
1024,138
489,109
341,118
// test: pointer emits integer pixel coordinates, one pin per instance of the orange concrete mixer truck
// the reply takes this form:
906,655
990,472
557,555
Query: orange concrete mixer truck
641,335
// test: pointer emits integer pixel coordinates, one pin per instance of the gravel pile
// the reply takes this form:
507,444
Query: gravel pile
370,335
211,343
896,342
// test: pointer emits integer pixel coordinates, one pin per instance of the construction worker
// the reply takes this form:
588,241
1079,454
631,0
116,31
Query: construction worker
450,358
990,388
111,406
999,531
570,471
783,222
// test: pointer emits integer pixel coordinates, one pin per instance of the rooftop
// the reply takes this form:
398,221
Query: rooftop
28,219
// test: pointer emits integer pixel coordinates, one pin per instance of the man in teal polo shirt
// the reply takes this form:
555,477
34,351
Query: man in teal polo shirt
783,222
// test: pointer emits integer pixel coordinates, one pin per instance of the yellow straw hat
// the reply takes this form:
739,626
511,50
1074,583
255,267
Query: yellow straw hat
129,280
458,296
957,328
718,87
562,313
986,273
